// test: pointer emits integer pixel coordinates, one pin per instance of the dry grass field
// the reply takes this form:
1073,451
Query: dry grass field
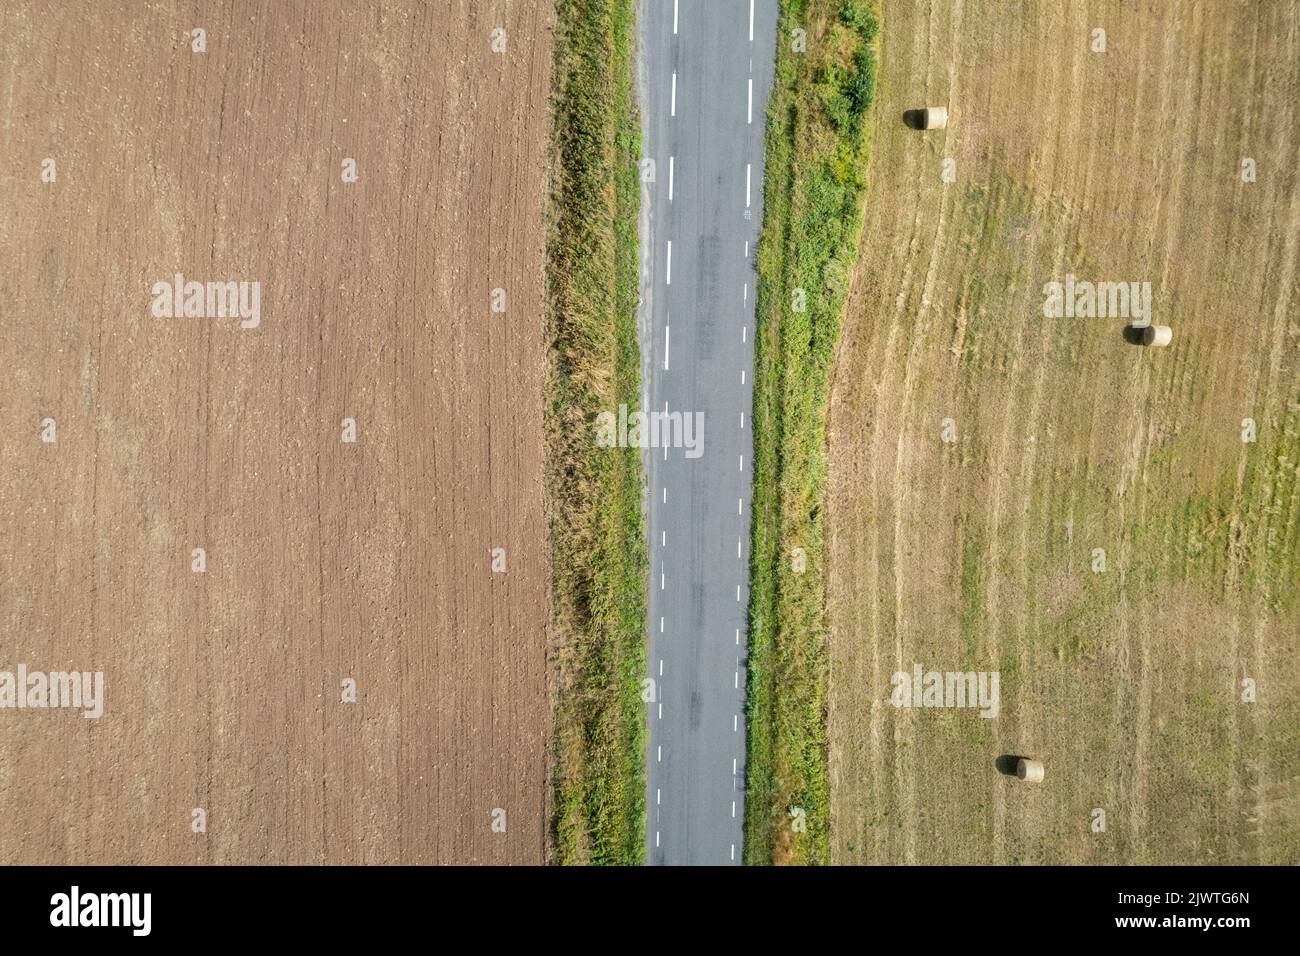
978,554
325,560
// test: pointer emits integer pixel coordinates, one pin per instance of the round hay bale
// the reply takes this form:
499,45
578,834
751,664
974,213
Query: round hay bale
1031,771
936,117
1157,335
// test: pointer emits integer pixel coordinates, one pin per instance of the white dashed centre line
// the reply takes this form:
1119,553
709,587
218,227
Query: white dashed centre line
749,110
669,277
670,179
672,108
751,21
674,17
748,169
666,348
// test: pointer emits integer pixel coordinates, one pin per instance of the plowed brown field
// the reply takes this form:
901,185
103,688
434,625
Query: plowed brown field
325,560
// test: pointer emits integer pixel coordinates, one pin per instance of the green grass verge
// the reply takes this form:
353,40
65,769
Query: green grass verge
594,495
816,156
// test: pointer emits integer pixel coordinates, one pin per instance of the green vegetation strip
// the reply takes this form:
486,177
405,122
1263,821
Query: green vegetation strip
816,155
598,549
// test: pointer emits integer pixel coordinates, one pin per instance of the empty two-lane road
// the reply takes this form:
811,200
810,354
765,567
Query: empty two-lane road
706,71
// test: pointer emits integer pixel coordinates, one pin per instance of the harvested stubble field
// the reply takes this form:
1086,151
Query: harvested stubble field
325,560
979,554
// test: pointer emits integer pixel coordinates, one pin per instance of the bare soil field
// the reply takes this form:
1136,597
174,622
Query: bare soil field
982,553
326,560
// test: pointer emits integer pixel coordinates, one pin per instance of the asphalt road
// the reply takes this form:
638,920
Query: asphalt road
706,70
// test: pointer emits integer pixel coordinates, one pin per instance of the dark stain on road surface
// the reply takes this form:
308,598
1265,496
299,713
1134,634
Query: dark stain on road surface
707,294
